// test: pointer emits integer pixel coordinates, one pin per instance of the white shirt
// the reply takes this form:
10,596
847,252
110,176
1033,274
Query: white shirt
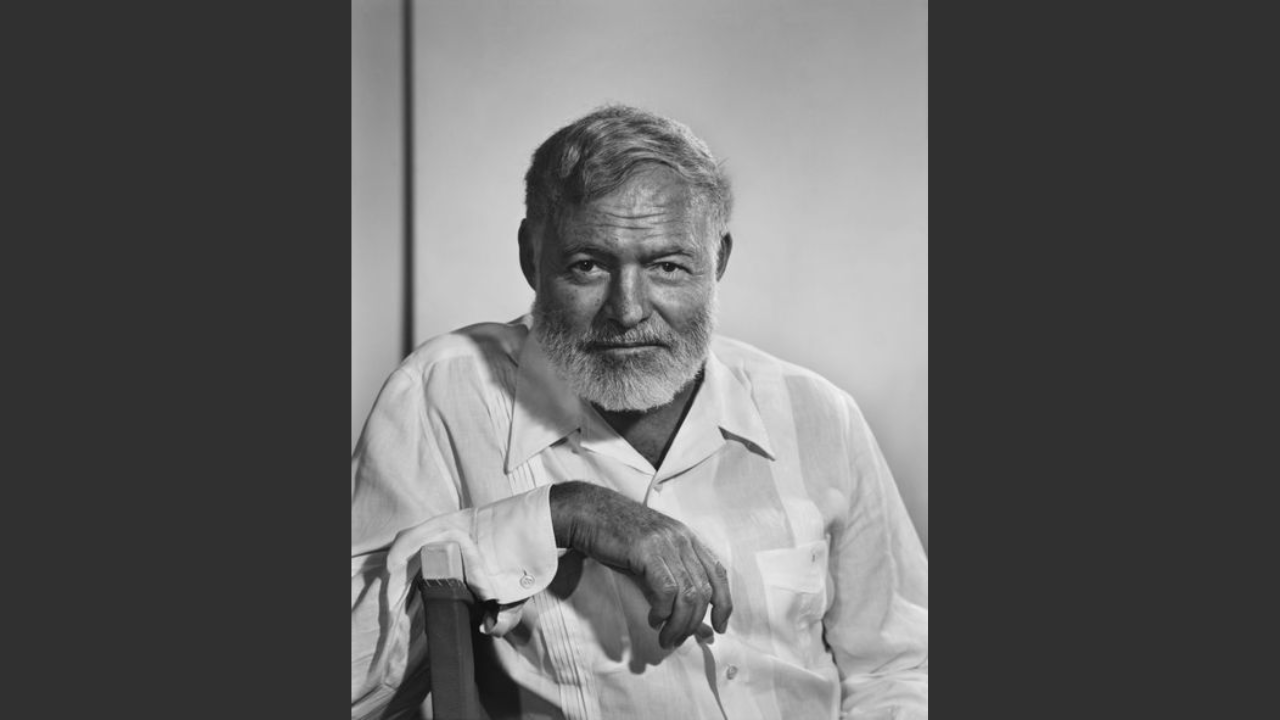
773,467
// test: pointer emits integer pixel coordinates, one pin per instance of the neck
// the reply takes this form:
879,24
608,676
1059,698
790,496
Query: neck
651,431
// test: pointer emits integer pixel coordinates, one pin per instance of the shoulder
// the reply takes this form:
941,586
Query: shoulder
481,349
752,365
469,367
789,393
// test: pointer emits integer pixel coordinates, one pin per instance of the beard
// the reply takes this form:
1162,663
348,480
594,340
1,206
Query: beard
629,381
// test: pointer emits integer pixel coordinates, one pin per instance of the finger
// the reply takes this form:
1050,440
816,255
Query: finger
661,589
680,624
721,600
676,629
699,593
697,612
655,620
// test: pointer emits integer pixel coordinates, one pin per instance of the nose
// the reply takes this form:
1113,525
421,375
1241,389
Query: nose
628,302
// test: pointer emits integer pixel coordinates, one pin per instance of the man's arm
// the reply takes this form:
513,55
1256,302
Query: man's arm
506,562
878,623
405,494
677,573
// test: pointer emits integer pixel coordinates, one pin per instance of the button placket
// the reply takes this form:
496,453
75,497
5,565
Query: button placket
728,659
733,679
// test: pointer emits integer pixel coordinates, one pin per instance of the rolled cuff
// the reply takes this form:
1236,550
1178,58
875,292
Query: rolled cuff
518,545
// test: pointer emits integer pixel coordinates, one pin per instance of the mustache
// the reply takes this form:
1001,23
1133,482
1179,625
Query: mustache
634,336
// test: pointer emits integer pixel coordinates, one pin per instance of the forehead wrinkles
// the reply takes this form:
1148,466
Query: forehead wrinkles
645,208
614,231
605,220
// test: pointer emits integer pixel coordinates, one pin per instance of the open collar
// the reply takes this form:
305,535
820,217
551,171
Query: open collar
722,410
547,410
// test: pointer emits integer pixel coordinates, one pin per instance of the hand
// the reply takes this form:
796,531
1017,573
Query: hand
678,575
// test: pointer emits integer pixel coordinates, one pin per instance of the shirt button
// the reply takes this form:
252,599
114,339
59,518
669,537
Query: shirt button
526,581
732,672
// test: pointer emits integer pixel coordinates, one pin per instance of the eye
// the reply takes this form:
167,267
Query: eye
584,266
668,267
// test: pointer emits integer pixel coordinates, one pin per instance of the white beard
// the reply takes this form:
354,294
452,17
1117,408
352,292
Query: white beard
636,383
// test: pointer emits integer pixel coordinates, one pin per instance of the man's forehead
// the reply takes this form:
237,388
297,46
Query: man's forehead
651,184
651,201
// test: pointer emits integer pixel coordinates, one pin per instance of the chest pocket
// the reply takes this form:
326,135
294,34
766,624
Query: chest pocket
795,589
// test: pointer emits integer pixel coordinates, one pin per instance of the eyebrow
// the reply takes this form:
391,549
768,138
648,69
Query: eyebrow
588,249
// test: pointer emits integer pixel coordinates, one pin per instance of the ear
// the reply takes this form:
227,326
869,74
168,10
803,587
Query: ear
527,265
726,247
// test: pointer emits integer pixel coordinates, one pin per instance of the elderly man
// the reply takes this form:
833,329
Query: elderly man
660,522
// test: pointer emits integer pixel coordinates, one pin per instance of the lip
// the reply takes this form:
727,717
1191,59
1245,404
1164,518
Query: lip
610,347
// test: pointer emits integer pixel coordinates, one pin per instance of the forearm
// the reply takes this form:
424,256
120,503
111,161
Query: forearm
508,554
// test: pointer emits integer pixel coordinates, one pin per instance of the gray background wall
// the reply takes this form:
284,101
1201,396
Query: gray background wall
377,203
818,108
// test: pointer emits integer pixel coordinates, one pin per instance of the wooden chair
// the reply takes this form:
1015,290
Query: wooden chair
450,618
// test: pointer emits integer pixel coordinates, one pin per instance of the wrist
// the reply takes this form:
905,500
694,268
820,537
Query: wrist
561,498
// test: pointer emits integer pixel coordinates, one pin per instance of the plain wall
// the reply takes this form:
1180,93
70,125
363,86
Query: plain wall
377,199
819,110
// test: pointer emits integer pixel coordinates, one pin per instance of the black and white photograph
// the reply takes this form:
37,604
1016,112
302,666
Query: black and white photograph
639,359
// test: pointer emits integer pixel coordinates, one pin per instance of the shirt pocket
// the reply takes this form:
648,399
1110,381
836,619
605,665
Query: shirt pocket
795,593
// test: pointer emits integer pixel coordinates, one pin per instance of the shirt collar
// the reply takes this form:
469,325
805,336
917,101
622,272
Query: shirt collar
730,406
547,410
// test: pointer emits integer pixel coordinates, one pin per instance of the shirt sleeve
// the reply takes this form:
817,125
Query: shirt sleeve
878,623
405,494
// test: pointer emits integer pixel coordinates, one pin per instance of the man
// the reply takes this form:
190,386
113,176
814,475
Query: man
660,522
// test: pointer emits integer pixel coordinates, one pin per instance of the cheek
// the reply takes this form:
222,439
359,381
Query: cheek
574,303
681,307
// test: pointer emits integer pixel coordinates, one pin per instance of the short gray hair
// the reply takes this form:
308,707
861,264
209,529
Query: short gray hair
594,155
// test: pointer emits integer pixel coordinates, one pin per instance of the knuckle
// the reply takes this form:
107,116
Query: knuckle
666,588
669,539
653,551
703,587
667,536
